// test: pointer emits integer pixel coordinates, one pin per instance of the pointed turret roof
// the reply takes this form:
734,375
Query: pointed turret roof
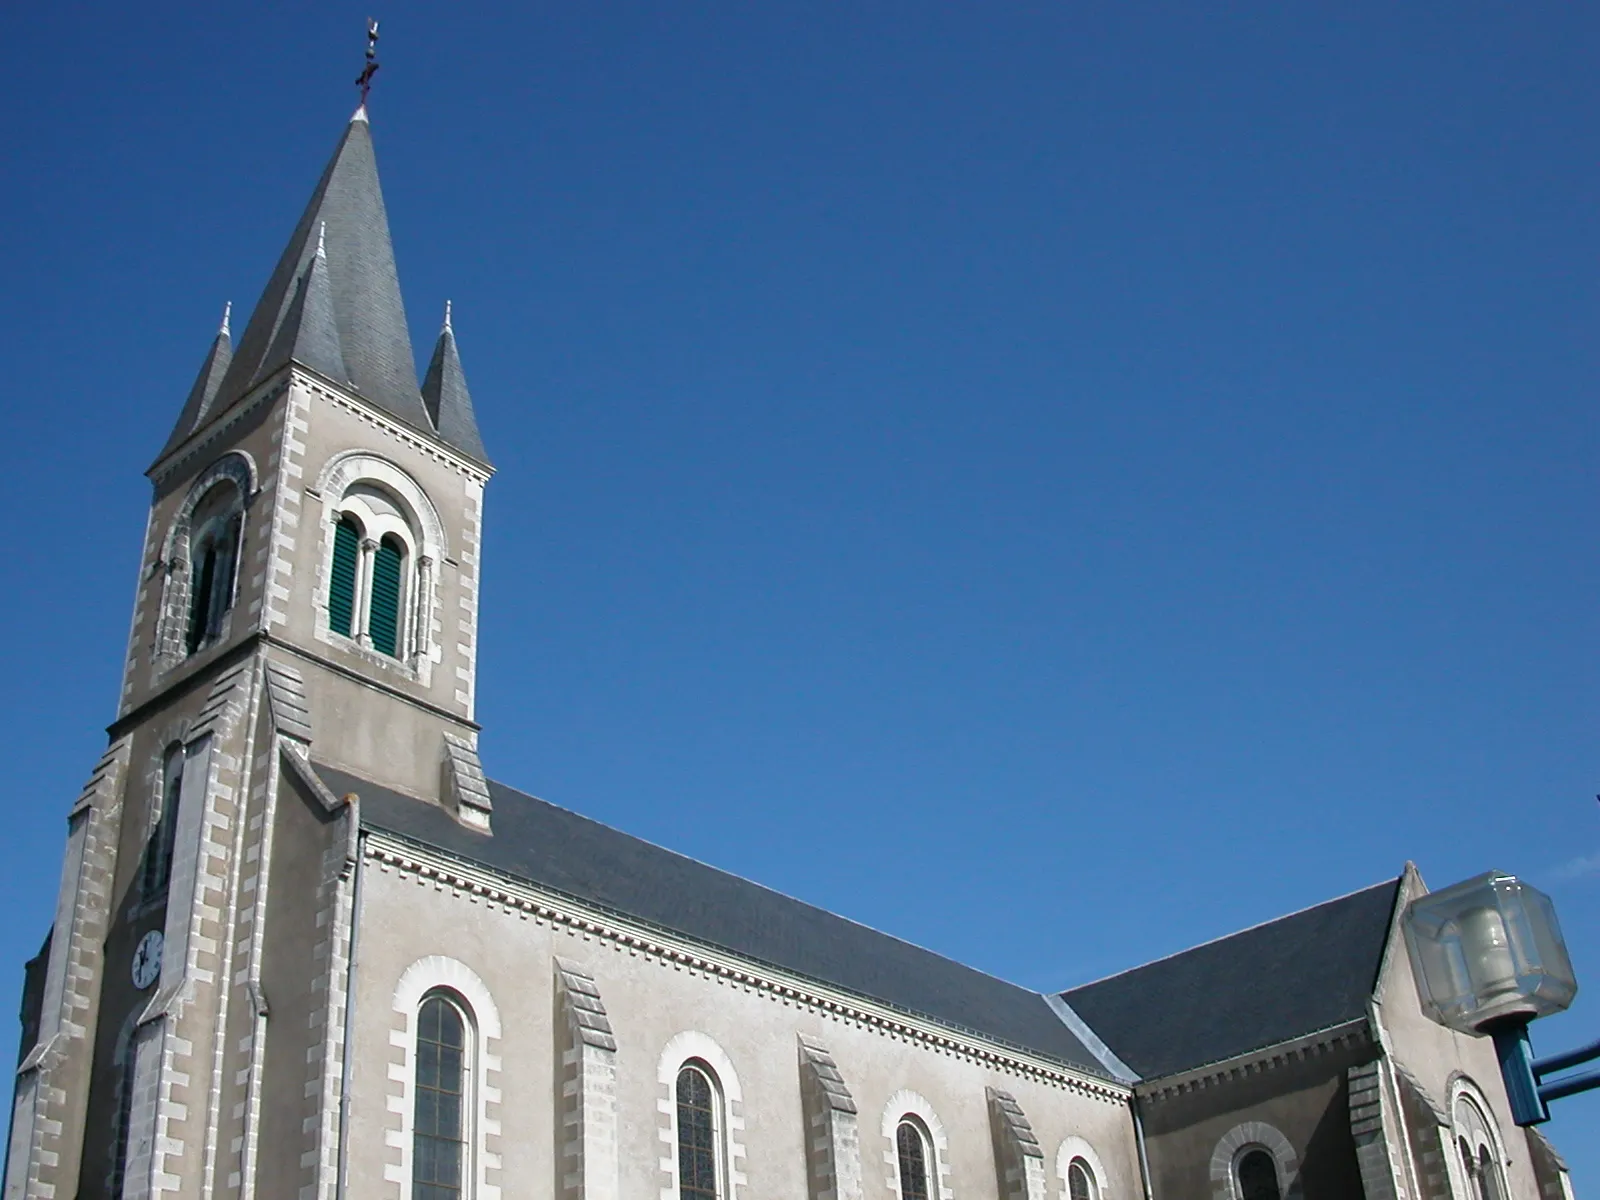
206,384
362,289
309,334
444,391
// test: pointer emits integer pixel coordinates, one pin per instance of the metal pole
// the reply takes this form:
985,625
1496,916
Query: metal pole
1569,1087
1560,1062
1512,1047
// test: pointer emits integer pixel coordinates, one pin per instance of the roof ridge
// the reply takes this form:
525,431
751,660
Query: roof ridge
1391,881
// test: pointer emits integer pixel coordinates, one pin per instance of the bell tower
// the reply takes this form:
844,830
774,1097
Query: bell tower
308,591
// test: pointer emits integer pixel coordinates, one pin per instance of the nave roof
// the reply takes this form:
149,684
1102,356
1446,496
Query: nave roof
569,854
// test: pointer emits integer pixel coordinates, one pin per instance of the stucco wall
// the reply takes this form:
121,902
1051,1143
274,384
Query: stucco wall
406,918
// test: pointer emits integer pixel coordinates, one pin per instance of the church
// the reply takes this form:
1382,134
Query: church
305,948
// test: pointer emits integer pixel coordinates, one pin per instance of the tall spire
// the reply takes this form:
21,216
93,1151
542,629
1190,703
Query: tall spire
444,391
204,391
347,219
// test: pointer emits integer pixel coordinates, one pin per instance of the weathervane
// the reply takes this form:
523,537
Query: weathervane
364,81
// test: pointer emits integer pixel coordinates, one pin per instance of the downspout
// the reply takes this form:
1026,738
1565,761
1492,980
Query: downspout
1138,1136
348,1067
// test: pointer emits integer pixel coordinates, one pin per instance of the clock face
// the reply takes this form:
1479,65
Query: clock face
147,960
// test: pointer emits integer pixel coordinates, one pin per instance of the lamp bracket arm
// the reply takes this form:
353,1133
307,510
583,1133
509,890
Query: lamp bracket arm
1570,1086
1560,1062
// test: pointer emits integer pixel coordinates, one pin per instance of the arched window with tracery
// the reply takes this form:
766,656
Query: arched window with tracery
156,873
439,1149
699,1132
1257,1174
1081,1183
914,1157
379,584
1478,1146
214,532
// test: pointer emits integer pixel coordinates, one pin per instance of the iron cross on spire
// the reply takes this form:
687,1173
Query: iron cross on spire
364,80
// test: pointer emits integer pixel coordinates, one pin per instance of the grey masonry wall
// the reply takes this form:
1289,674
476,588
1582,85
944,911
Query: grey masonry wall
419,927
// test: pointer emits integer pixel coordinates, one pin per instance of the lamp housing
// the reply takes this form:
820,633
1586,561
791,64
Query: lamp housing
1488,953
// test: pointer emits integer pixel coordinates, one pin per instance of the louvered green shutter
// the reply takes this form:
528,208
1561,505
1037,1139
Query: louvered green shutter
342,583
385,624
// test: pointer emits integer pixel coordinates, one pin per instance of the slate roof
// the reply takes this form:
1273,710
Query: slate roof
572,855
350,324
206,384
1308,971
444,391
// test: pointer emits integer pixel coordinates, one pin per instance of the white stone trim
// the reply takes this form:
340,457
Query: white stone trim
1073,1147
344,471
907,1103
420,530
1463,1088
172,616
439,972
692,1044
505,893
1252,1135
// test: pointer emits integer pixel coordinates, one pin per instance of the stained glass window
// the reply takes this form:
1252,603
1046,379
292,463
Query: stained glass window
438,1146
1258,1176
912,1148
697,1134
1080,1181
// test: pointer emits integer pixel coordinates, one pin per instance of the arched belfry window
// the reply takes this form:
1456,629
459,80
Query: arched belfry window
439,1166
200,558
378,585
388,563
1257,1173
156,873
913,1153
342,581
699,1133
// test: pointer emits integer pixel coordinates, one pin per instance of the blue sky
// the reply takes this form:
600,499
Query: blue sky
1058,483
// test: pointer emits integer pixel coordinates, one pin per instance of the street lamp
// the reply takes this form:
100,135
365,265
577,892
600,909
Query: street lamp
1488,957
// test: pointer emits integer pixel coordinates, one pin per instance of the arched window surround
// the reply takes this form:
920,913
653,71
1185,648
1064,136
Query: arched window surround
172,642
1076,1147
448,977
420,533
909,1104
1246,1136
1483,1135
692,1047
161,834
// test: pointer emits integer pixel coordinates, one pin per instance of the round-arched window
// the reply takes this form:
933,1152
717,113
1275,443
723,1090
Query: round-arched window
913,1150
1081,1184
1480,1156
214,531
699,1159
1258,1176
439,1133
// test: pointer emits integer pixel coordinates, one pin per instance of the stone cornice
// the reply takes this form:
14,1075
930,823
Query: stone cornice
163,469
422,443
1259,1062
392,853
